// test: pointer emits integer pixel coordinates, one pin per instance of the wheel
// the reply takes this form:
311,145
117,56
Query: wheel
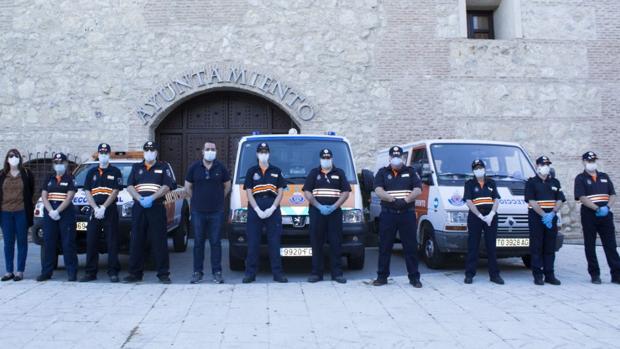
527,261
180,235
433,257
236,264
356,262
43,258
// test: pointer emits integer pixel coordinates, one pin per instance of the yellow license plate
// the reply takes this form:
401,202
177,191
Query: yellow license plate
296,252
81,226
502,242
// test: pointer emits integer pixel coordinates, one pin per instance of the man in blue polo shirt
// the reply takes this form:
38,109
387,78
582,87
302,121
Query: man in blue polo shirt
207,183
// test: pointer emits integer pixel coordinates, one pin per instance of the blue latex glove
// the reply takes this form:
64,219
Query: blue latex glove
548,219
331,208
324,210
146,201
602,211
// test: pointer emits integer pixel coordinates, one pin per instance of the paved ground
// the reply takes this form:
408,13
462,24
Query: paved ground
445,313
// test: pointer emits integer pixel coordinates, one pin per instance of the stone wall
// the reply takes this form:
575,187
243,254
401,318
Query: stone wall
379,72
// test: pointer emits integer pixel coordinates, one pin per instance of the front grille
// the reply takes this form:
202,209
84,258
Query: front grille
517,191
512,224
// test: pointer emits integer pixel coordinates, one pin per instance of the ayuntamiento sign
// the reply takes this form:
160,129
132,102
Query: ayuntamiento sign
228,77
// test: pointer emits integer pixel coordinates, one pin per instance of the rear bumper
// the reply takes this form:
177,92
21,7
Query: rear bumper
353,241
456,242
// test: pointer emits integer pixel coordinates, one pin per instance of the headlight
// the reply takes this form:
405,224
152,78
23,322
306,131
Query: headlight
239,215
126,209
352,216
457,217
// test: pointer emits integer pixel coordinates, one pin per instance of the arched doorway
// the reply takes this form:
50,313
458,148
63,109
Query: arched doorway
222,117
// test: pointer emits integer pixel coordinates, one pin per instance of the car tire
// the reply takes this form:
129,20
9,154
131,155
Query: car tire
43,257
356,262
236,264
527,261
433,257
180,235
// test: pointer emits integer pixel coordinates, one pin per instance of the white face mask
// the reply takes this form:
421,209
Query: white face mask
14,161
150,155
60,168
479,172
263,157
326,163
396,161
104,159
209,155
544,170
591,166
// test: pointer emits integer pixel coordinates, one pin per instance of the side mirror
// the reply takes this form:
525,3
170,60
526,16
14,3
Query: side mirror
552,172
367,181
424,171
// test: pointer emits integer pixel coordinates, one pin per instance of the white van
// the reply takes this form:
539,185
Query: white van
444,166
296,155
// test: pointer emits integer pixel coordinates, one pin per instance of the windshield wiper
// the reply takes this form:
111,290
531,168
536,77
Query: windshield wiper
506,176
464,175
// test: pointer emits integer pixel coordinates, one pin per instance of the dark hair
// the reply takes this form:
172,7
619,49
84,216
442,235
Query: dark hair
7,167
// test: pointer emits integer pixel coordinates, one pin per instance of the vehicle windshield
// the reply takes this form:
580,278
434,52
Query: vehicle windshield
296,157
82,170
503,162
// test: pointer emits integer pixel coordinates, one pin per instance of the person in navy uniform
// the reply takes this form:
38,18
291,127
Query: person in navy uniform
397,185
148,183
59,220
101,187
264,186
545,197
207,183
482,199
596,193
326,188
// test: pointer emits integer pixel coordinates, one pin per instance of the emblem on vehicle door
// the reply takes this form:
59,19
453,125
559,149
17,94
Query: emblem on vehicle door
299,221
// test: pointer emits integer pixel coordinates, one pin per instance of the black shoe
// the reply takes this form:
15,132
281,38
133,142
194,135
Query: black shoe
281,279
196,278
114,279
497,280
43,277
539,281
415,283
314,278
552,280
8,277
248,279
339,279
615,280
379,282
72,278
217,278
164,279
468,280
18,277
88,277
130,279
595,279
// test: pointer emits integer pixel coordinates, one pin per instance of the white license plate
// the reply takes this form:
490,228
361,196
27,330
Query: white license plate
525,242
296,252
81,226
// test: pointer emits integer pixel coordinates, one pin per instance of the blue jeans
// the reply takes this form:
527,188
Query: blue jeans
207,223
14,227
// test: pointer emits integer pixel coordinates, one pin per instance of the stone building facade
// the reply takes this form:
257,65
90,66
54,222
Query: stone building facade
75,73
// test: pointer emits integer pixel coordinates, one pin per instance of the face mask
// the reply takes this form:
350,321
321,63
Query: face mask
150,156
326,163
209,155
14,161
104,159
396,161
544,170
59,168
590,166
263,157
479,172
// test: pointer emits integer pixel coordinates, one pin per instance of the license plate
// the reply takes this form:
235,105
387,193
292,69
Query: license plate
296,252
81,226
525,242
